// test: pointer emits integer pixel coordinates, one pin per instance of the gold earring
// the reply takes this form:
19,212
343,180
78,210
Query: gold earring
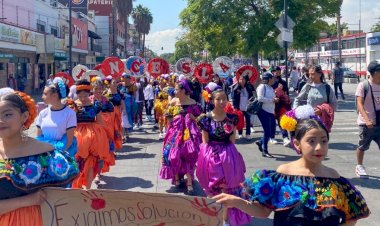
24,135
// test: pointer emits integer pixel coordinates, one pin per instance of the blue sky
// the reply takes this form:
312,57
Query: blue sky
165,28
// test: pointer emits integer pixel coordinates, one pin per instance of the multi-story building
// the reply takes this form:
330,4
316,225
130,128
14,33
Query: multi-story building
326,53
110,27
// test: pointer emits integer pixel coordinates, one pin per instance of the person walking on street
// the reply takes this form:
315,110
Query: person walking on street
240,99
368,106
266,95
337,80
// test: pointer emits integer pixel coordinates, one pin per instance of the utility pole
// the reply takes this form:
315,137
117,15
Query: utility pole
339,36
285,42
360,52
70,39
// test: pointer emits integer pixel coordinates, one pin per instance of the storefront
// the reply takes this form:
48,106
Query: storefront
18,62
373,46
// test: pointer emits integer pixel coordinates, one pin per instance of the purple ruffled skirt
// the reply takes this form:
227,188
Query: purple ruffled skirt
181,148
221,168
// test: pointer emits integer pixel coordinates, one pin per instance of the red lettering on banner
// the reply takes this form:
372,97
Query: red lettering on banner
224,67
80,73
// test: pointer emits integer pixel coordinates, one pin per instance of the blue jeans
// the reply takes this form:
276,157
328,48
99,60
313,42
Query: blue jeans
268,123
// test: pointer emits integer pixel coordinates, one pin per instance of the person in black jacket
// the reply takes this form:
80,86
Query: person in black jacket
242,92
279,81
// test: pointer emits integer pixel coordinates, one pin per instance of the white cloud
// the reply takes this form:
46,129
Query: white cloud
370,11
165,39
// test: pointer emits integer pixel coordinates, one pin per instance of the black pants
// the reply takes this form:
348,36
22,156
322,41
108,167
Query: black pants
247,124
148,107
336,86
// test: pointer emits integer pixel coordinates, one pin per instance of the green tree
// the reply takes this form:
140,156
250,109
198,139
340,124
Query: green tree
227,27
376,27
142,18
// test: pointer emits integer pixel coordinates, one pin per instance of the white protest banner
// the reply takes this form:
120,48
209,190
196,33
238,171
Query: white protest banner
115,208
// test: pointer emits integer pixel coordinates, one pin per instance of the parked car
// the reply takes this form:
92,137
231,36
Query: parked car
348,73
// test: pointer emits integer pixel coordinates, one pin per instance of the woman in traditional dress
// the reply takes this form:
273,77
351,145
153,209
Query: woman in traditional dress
303,192
220,167
182,139
93,143
26,165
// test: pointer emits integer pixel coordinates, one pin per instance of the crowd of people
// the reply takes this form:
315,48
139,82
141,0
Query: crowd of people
84,125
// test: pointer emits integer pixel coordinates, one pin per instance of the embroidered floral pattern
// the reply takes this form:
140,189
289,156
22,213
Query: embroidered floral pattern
279,191
31,172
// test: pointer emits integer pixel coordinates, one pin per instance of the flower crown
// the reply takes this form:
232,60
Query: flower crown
211,87
29,102
61,86
290,119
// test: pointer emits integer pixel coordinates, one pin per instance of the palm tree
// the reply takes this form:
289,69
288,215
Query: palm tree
142,18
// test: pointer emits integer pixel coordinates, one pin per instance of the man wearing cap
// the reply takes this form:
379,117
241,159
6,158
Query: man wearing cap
368,107
337,80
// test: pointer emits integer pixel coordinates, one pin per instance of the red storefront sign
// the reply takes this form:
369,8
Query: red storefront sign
80,34
101,7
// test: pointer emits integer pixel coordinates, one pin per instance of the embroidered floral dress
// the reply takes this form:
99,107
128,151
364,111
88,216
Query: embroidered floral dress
93,143
302,200
26,175
181,143
220,167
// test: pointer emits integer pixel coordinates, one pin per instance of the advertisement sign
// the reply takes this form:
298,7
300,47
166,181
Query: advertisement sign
77,5
101,7
14,34
119,208
80,33
373,41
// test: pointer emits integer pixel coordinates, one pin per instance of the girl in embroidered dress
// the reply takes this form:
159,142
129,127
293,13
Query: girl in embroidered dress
26,165
116,99
107,115
56,124
182,140
302,192
93,142
161,104
220,167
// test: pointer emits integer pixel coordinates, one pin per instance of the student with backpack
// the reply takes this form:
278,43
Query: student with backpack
319,95
368,107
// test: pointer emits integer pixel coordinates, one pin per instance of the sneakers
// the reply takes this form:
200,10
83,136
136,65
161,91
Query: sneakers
273,141
240,136
160,136
286,142
360,171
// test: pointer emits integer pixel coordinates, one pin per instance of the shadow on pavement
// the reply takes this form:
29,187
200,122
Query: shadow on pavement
135,156
285,158
123,183
127,148
372,182
142,140
181,189
343,146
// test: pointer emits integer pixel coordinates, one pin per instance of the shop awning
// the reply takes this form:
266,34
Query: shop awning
93,35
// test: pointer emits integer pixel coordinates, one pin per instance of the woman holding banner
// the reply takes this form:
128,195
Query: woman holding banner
182,140
26,165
